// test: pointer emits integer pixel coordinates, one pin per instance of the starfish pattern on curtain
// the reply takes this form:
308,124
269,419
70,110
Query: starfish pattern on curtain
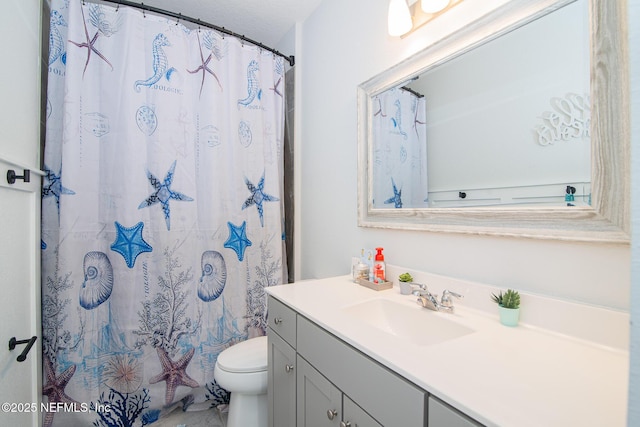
153,258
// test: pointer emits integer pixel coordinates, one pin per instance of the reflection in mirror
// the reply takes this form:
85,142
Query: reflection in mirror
399,149
468,188
506,123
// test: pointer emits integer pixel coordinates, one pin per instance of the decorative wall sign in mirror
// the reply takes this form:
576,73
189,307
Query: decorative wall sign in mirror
489,131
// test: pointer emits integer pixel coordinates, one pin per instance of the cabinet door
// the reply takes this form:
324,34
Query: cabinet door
355,416
443,415
319,401
282,382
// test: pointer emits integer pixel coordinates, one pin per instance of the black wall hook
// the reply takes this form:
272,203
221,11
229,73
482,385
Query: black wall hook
23,356
11,176
462,194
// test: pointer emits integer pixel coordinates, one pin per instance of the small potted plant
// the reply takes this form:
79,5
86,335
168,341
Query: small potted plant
508,306
405,283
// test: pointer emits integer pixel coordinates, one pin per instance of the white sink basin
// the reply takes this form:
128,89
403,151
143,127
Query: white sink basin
419,325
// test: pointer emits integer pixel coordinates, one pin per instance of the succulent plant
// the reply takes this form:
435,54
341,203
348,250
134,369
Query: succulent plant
405,277
497,298
509,299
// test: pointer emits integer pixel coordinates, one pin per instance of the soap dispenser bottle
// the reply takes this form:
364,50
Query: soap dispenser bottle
379,267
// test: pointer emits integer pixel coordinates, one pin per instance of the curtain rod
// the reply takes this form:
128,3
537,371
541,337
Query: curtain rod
413,92
181,17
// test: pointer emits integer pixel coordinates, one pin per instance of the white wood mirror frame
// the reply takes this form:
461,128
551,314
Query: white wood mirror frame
607,220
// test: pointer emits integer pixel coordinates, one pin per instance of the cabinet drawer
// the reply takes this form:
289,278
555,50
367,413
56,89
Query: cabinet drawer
387,397
282,320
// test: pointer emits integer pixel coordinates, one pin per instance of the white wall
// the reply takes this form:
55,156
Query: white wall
345,43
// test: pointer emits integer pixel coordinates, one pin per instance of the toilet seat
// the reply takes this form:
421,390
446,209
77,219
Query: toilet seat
245,357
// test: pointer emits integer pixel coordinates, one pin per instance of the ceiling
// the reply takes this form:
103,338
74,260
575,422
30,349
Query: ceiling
265,21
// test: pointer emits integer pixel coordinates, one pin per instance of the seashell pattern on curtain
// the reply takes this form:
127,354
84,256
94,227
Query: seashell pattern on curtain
162,210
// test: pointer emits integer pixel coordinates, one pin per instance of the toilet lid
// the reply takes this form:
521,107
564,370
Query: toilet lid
247,356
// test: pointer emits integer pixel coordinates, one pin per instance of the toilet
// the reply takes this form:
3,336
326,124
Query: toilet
242,370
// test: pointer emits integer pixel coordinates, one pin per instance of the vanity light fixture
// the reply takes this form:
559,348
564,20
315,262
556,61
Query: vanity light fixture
399,19
433,6
406,16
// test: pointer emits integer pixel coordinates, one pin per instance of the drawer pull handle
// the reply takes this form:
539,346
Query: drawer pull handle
345,424
277,320
288,368
331,414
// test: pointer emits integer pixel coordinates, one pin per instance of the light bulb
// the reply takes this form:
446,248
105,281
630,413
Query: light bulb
433,6
399,18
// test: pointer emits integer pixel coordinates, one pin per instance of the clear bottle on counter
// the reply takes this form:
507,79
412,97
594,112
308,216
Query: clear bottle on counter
360,271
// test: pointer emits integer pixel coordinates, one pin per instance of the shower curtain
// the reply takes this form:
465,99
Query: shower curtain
162,211
399,150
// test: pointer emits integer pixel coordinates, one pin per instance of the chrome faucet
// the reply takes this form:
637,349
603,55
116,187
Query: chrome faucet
430,301
446,300
421,288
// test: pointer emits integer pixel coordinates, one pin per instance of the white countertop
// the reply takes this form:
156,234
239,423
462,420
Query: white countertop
500,376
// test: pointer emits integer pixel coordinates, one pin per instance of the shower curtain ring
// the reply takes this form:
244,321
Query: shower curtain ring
178,20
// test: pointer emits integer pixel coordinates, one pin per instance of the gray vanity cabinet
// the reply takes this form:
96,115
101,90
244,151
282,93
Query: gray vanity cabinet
317,380
281,336
282,320
281,382
385,396
322,404
443,415
355,416
319,401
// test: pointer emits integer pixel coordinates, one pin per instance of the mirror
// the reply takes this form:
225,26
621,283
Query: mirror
505,123
427,139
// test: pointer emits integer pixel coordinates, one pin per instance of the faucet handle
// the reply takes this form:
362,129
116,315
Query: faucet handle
445,300
418,289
